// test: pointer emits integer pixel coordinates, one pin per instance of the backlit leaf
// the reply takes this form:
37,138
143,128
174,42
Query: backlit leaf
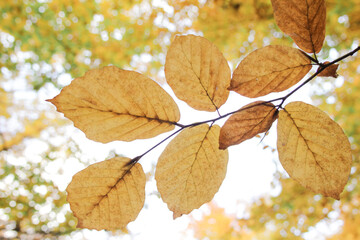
247,123
106,195
197,72
191,169
111,104
269,69
313,149
303,20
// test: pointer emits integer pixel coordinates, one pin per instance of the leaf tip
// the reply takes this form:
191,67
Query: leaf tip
176,215
222,146
50,100
335,196
54,101
79,225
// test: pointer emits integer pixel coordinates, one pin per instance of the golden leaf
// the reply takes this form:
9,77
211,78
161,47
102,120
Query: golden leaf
303,20
191,169
269,69
197,72
330,71
247,123
106,195
313,149
111,104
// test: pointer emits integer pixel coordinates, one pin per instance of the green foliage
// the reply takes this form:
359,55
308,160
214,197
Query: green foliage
31,204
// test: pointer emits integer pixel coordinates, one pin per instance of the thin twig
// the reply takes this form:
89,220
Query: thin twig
282,99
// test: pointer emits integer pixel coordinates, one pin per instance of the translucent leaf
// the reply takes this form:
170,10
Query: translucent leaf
111,104
313,149
269,69
106,195
247,123
191,169
197,72
303,20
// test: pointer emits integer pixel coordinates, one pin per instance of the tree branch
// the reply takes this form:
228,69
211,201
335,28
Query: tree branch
282,99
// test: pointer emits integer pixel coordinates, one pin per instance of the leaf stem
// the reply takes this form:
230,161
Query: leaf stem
136,159
343,57
315,59
320,69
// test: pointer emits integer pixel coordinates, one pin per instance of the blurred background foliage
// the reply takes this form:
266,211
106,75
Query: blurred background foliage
46,43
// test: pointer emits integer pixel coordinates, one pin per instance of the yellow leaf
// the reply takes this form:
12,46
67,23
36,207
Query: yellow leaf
269,69
313,149
247,123
111,104
303,20
191,169
106,195
197,72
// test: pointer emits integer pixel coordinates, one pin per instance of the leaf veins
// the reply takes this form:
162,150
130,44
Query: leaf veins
269,69
107,195
197,72
247,123
303,20
111,104
313,149
191,169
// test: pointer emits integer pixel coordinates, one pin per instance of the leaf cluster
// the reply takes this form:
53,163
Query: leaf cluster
110,104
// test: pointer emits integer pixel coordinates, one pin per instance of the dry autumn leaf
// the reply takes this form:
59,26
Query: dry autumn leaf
313,149
303,20
106,195
191,169
269,69
197,72
330,71
111,104
247,123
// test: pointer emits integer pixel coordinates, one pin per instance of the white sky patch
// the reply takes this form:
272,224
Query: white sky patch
118,33
164,5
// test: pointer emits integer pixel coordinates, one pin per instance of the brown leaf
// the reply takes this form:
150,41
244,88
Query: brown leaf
303,20
330,71
247,123
106,195
197,72
269,69
313,149
191,169
111,104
